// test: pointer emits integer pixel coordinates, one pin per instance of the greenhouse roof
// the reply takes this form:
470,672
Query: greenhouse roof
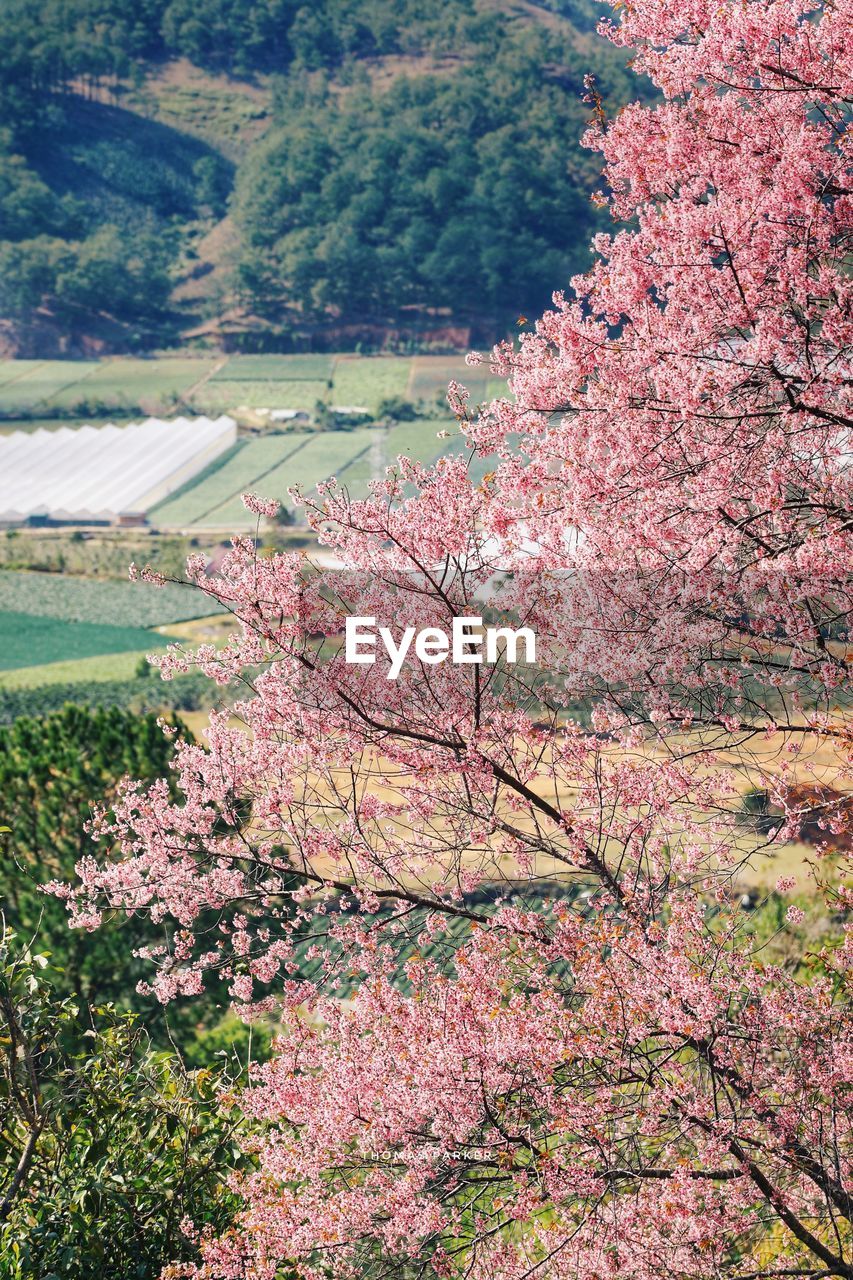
104,474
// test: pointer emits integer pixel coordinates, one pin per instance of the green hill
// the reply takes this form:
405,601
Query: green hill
278,175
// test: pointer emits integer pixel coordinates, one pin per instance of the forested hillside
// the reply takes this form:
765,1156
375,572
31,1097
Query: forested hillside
274,173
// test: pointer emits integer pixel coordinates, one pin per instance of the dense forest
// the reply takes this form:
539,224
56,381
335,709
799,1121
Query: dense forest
404,161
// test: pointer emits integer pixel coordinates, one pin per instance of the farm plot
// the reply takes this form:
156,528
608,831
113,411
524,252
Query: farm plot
125,604
356,475
431,374
242,471
134,382
41,381
324,455
10,369
308,368
220,397
367,380
418,440
27,640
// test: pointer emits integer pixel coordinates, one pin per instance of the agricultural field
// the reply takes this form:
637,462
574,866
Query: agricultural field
95,669
368,380
272,464
39,386
39,382
81,600
325,454
222,396
430,375
215,384
28,640
307,368
55,628
241,468
135,382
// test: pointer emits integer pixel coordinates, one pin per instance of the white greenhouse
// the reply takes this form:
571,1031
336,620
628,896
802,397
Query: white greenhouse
104,475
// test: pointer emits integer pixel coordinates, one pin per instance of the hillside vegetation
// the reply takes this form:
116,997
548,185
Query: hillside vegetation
283,175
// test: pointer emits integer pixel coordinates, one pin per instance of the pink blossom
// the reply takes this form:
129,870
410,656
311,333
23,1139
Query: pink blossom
260,506
560,1053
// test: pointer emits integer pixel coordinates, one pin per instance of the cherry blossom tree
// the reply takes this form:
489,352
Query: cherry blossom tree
527,1030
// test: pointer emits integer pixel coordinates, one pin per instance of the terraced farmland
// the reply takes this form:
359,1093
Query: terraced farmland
213,384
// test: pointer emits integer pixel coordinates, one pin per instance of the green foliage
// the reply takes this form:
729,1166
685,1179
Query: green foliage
53,773
442,191
186,693
462,192
238,36
90,195
127,279
103,555
397,408
27,204
105,273
105,1144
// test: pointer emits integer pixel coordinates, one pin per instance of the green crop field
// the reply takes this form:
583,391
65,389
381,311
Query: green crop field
27,640
133,382
40,381
243,468
11,369
325,454
418,440
272,464
366,380
83,671
219,397
430,375
125,604
309,368
213,386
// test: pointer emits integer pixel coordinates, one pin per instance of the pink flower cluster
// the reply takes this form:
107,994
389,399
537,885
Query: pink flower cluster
561,1053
